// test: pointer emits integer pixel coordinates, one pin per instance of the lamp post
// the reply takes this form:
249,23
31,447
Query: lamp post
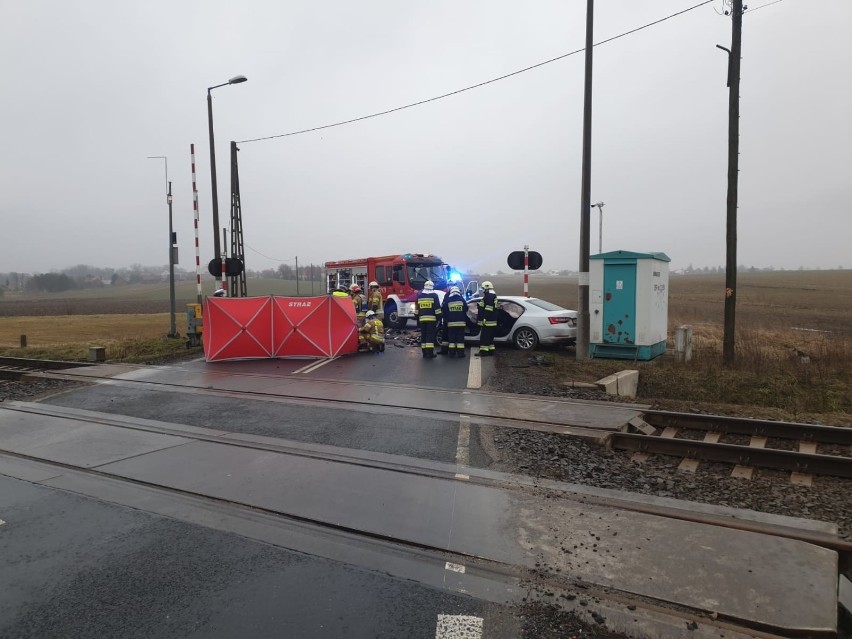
237,79
172,244
600,206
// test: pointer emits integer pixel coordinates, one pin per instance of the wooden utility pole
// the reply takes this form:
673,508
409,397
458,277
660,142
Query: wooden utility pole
734,54
582,344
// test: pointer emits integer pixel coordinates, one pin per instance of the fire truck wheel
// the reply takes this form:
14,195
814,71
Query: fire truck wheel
392,315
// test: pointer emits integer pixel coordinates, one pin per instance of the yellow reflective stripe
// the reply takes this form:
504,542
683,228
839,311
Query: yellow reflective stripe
427,318
455,324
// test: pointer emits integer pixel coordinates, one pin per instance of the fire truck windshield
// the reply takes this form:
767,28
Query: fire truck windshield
419,273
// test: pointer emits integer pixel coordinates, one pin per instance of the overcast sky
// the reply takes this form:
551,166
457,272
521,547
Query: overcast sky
92,87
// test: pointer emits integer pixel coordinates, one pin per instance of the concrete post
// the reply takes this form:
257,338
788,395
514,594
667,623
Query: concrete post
683,344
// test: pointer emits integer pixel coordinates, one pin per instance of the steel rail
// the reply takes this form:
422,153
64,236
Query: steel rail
731,453
741,426
40,364
14,368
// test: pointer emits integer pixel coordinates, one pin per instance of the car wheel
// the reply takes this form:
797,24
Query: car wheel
394,320
525,338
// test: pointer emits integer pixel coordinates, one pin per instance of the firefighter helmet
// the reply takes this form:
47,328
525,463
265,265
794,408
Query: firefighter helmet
487,286
374,285
428,285
370,313
455,290
355,288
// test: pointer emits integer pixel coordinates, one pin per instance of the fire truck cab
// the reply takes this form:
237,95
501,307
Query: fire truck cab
399,277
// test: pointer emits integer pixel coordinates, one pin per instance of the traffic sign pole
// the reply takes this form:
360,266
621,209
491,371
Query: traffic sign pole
526,270
224,265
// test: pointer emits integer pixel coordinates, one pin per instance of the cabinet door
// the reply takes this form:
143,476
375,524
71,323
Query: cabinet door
619,304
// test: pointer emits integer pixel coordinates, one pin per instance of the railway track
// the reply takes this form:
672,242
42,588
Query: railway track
803,449
15,368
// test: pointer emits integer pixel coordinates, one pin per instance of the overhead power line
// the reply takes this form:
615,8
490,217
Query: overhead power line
475,86
763,6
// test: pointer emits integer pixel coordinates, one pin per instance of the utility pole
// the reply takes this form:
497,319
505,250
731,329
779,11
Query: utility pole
297,276
582,345
734,55
238,282
172,248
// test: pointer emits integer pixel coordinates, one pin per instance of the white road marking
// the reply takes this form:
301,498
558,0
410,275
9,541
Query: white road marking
454,567
313,367
308,365
2,522
458,627
474,371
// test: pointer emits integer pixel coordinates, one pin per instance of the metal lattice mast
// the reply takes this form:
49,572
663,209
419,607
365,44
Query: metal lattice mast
238,283
195,214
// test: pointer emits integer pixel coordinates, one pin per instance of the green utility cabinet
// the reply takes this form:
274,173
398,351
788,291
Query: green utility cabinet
628,305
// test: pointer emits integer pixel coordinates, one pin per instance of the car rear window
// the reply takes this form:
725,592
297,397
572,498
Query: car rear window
545,305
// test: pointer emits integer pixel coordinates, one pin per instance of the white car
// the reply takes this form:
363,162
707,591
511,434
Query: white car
526,322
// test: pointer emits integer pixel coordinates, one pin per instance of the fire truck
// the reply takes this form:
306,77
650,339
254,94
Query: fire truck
399,278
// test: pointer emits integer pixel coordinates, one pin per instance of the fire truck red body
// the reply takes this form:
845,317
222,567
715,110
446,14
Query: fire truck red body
399,277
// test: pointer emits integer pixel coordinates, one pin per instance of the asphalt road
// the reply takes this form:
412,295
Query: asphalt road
77,567
401,363
368,428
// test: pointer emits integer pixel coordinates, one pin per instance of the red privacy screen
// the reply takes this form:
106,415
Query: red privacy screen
272,326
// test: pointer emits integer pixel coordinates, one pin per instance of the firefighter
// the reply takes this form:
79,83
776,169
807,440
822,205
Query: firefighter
375,302
486,317
372,333
454,316
427,312
358,301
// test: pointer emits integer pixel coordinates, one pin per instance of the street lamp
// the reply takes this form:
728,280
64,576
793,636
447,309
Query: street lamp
600,206
237,79
172,327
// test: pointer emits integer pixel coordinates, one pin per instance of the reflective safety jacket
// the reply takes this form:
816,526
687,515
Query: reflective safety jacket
454,311
486,312
374,330
375,302
427,308
358,301
339,294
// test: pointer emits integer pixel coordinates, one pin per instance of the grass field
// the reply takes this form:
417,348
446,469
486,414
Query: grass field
777,313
